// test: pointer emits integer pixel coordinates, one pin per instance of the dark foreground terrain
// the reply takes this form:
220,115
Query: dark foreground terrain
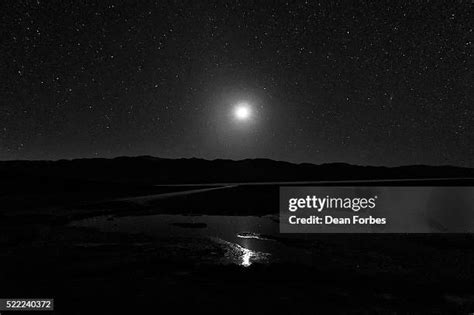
91,272
73,242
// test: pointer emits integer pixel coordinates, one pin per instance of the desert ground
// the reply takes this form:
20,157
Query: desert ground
217,249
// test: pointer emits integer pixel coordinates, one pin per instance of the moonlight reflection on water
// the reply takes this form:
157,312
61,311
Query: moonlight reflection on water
241,255
246,257
246,240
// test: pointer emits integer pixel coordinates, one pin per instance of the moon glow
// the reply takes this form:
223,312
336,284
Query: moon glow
242,111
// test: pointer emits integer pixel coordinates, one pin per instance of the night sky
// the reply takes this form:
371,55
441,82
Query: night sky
371,84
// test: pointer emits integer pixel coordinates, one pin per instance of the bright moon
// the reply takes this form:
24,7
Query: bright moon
242,111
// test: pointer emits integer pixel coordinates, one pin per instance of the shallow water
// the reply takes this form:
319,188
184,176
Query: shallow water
247,239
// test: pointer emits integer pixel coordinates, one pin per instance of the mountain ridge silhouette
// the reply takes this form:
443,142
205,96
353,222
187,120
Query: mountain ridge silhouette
156,170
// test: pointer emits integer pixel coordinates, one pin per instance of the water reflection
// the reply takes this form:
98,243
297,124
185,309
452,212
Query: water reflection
245,240
246,257
251,235
242,256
